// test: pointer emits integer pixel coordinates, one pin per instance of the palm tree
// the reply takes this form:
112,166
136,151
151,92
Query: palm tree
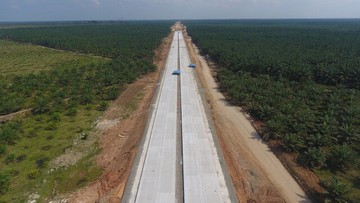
336,191
312,158
346,134
318,140
292,142
274,129
342,157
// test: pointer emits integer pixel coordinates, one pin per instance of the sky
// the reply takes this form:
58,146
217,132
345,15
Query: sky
64,10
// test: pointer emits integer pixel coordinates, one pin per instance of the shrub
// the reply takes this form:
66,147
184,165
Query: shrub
8,133
4,183
2,149
41,163
86,99
20,158
112,93
46,148
88,107
55,116
342,157
84,136
102,106
49,137
72,111
10,158
42,105
33,174
51,127
79,129
336,191
32,133
14,172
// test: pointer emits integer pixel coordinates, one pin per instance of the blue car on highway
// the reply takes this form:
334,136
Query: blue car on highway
176,72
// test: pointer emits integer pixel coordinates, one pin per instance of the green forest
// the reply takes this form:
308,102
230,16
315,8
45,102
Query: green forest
129,45
65,97
301,80
136,39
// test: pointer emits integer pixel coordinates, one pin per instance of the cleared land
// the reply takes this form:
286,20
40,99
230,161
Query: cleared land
31,143
30,163
23,59
122,134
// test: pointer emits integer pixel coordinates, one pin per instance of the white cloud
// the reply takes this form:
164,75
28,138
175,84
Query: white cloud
96,2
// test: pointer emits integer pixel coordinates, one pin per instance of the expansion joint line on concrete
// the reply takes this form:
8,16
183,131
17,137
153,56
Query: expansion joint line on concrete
179,160
148,185
136,183
180,124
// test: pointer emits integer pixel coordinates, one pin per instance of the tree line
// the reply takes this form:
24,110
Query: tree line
130,46
134,39
301,79
62,90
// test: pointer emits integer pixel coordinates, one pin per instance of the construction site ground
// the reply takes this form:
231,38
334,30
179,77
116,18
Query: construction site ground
122,128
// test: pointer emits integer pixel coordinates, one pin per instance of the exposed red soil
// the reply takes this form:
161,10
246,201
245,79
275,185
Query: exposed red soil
119,143
249,185
308,180
250,182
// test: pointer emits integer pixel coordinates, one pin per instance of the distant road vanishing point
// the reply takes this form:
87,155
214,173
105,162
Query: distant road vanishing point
179,161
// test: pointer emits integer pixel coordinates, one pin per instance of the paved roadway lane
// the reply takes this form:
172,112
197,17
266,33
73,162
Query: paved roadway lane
156,179
202,173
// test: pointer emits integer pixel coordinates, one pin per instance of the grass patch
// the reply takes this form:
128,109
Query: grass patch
69,92
26,162
22,59
348,177
131,106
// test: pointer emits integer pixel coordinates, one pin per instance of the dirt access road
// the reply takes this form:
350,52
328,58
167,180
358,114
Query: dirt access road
257,174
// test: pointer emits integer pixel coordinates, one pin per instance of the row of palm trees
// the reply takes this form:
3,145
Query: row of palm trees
84,85
113,40
304,91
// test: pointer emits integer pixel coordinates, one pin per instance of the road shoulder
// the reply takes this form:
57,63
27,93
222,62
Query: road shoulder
120,140
244,152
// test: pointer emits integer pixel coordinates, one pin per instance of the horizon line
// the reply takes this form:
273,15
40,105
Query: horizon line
204,19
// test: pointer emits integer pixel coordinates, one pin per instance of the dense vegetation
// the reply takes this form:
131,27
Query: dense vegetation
33,59
129,44
114,40
301,79
65,96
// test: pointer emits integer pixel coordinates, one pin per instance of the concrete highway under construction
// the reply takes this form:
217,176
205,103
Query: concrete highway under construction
179,160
